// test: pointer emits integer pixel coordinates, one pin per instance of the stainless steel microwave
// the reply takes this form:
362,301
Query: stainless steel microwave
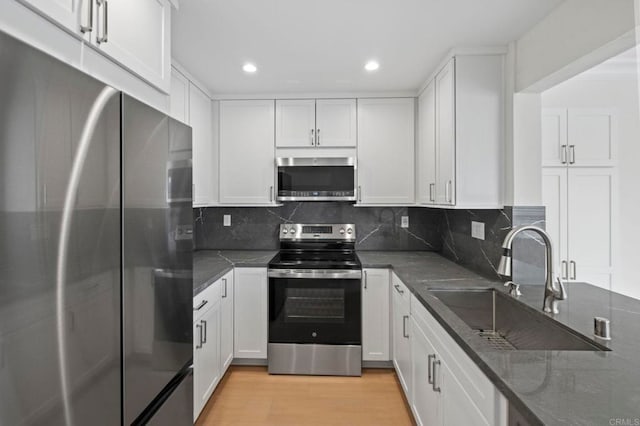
316,179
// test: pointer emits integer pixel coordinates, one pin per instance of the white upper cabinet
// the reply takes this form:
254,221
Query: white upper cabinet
310,123
445,135
581,137
554,137
336,123
66,13
247,152
386,151
134,34
460,144
137,35
427,145
591,136
200,119
295,123
179,97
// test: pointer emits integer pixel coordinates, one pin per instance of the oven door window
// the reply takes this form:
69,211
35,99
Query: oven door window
314,311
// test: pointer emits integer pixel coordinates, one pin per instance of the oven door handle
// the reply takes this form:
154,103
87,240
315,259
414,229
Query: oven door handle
327,274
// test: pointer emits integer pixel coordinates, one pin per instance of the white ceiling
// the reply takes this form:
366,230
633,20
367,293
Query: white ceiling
322,45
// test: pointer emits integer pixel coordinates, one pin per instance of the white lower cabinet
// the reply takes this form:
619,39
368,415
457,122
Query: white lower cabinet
581,205
424,401
250,314
401,338
206,345
226,322
448,388
375,315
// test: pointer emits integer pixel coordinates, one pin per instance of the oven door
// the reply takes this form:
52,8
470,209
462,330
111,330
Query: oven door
315,306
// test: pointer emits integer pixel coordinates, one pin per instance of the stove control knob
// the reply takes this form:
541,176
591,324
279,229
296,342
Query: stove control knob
284,231
349,231
341,231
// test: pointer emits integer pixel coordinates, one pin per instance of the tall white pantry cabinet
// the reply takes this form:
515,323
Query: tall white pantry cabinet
579,191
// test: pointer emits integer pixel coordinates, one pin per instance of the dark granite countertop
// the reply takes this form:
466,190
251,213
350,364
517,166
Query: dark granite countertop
547,387
210,265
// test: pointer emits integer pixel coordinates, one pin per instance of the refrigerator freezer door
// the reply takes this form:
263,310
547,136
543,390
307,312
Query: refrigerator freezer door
60,285
158,244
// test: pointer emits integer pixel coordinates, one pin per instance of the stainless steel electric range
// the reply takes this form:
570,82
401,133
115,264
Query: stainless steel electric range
315,309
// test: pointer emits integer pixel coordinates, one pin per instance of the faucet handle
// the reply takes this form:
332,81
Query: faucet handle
561,292
514,289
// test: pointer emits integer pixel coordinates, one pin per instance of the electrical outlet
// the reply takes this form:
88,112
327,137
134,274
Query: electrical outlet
404,222
226,220
477,230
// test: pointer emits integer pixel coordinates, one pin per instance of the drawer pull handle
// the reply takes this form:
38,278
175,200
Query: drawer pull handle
430,358
404,326
201,305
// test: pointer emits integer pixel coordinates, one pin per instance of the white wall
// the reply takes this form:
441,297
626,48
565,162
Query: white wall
621,93
575,36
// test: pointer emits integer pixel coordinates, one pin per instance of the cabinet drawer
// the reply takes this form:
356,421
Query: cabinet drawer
206,299
398,288
478,387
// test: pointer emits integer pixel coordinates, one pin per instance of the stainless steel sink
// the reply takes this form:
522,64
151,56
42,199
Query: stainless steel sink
507,324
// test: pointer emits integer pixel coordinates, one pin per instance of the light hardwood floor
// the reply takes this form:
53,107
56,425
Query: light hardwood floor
250,396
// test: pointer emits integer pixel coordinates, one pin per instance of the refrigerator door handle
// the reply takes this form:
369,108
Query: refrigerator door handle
71,193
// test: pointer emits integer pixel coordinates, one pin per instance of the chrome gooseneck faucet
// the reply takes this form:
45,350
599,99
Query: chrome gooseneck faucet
551,293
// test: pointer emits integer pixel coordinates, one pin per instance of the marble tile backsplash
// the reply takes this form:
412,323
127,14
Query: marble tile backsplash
483,256
378,228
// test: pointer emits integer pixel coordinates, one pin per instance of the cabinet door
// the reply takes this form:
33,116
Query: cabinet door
64,12
295,123
425,402
591,136
591,215
554,199
336,123
250,313
554,137
458,408
247,157
427,145
446,135
375,315
401,343
202,140
386,151
179,97
226,323
206,367
137,34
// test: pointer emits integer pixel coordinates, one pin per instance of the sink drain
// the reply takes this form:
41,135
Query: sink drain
495,340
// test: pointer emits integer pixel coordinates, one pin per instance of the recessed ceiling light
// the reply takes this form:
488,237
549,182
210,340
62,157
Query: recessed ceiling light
249,68
372,66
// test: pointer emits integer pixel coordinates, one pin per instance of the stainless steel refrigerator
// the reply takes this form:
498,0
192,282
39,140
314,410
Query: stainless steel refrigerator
95,251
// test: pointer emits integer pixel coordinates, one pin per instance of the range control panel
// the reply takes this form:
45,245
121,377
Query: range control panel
317,231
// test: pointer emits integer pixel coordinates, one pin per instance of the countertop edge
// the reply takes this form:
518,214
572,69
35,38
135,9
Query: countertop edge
494,377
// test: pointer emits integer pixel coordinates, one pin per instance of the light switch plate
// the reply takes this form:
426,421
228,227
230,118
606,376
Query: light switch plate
226,220
404,222
477,230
